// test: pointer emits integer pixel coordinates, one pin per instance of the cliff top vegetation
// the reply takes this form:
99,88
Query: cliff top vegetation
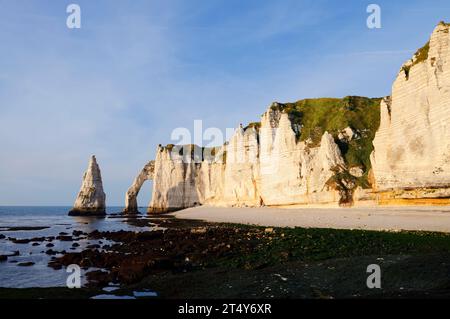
333,115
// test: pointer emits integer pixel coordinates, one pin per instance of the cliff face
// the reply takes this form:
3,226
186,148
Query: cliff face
341,151
91,198
412,146
313,151
241,186
264,165
291,171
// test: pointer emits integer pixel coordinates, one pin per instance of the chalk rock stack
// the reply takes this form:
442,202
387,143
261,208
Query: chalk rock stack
411,159
91,198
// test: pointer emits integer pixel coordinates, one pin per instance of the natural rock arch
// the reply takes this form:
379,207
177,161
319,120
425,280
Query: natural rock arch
131,205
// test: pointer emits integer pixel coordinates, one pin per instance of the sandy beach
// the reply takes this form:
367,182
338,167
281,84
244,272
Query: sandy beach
428,218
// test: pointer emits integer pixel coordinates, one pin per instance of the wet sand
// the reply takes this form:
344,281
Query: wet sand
426,218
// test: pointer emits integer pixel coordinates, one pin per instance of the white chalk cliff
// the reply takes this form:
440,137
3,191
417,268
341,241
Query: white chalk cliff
91,198
411,159
293,172
258,166
268,163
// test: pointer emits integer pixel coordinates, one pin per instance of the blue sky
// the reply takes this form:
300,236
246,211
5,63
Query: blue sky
136,70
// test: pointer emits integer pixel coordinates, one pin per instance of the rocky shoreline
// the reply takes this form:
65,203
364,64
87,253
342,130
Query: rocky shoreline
178,258
196,259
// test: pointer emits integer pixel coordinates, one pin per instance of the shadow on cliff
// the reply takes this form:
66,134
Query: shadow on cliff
183,195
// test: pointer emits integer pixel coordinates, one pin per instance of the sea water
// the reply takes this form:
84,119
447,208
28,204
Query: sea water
57,221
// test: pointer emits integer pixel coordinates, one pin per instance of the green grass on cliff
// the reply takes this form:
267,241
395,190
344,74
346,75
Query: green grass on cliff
316,116
255,125
333,115
422,54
